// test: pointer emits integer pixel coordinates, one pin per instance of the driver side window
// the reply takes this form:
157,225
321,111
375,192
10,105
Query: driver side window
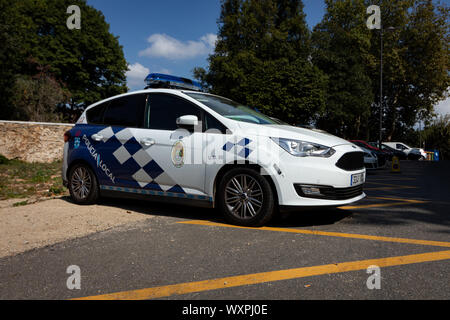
164,109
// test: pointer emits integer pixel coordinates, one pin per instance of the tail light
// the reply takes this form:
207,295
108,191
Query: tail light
66,136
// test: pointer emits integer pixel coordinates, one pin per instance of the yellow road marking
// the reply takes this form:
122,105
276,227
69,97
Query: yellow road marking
271,276
325,233
374,205
399,199
393,178
388,184
390,188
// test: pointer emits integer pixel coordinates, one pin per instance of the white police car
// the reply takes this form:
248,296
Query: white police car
202,149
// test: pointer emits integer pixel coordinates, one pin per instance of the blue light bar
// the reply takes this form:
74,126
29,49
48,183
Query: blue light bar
159,80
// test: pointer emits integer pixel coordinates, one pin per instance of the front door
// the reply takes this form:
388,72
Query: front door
172,162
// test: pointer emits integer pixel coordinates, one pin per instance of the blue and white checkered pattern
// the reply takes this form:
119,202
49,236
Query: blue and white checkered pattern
241,148
129,152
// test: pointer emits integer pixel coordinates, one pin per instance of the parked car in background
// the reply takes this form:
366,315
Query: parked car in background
397,153
381,155
411,153
370,159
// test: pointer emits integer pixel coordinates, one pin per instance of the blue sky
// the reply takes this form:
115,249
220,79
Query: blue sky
174,36
170,36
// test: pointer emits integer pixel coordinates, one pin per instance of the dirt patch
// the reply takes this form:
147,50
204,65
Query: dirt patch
43,223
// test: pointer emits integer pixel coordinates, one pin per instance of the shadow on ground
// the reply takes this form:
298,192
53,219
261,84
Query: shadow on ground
303,218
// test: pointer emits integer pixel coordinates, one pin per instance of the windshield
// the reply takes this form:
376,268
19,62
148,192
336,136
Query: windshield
232,110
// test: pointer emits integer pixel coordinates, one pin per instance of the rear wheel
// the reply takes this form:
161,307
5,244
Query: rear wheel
245,197
83,186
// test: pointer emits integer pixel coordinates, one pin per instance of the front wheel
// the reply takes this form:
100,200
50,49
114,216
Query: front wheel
83,186
245,198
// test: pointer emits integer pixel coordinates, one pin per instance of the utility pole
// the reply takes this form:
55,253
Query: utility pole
381,87
374,22
381,80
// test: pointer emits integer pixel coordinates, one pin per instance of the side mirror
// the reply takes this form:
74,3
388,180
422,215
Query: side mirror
187,122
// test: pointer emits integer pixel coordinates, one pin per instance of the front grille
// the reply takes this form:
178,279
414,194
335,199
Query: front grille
331,193
351,161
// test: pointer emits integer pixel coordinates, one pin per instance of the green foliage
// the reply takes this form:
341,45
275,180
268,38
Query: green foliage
89,62
266,57
437,136
416,59
36,97
342,44
262,60
10,55
19,179
3,159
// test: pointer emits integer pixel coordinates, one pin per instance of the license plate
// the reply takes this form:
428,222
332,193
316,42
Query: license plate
356,179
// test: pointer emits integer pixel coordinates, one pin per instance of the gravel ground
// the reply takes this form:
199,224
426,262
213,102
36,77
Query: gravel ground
47,222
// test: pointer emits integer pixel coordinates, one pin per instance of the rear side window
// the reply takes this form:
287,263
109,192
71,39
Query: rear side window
165,109
126,111
95,114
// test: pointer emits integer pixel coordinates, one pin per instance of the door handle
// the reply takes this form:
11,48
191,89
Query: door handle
148,142
97,137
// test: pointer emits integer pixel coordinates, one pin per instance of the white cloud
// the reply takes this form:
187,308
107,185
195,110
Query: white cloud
164,46
162,70
443,107
136,74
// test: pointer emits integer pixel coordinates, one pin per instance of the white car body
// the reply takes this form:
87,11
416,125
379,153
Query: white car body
406,149
244,143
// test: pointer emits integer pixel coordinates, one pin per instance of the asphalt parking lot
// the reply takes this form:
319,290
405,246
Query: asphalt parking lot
402,227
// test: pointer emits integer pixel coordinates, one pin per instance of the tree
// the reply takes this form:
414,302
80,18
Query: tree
341,50
262,59
437,136
89,62
10,55
415,65
36,98
416,59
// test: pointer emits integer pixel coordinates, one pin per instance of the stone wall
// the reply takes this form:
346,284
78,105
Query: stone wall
32,141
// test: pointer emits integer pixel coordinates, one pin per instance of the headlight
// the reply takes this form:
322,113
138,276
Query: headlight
304,148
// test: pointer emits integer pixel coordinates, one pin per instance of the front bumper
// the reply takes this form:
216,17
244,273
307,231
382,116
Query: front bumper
317,172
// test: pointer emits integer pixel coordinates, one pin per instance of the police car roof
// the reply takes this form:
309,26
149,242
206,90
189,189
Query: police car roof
161,90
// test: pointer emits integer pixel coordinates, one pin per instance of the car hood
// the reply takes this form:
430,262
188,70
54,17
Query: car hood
291,132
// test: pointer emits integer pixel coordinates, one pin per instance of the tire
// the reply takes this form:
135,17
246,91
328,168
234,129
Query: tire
245,198
83,185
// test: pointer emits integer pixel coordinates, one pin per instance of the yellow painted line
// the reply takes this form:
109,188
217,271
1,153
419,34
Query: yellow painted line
390,188
325,233
389,185
271,276
374,205
399,199
385,184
